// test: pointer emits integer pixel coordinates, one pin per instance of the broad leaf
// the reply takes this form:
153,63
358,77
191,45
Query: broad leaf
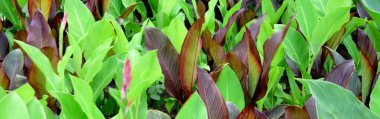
230,88
297,49
208,91
40,35
372,9
188,57
94,39
9,104
341,73
13,65
307,17
53,82
70,107
168,58
327,27
35,109
26,93
193,108
254,63
330,104
79,18
176,31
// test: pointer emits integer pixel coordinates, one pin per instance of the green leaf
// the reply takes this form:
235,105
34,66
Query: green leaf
374,104
230,88
12,107
210,16
176,31
275,75
79,18
94,63
116,8
297,48
373,34
26,93
320,6
307,17
145,73
327,26
120,39
9,10
330,105
372,9
53,82
70,107
35,109
138,108
187,10
84,96
194,108
267,8
100,33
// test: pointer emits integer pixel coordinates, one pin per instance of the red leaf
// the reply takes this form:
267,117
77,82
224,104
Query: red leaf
213,49
335,56
294,112
4,45
13,65
168,58
43,5
216,73
311,108
254,64
209,92
241,48
293,66
220,36
369,63
127,11
40,34
270,48
240,70
188,57
342,73
250,112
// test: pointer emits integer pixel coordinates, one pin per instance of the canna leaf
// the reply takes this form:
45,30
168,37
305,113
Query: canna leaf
40,35
13,66
254,64
79,18
374,103
208,91
15,102
328,103
94,39
4,45
294,112
327,27
9,10
176,31
214,50
194,108
307,17
127,11
230,88
297,49
35,109
341,73
4,80
70,107
188,57
220,36
250,112
369,62
270,48
43,5
372,9
168,58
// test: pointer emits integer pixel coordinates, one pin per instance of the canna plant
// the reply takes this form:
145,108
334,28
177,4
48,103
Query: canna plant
184,59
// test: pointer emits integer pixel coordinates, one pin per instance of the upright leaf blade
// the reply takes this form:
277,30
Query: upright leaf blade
270,48
194,108
15,102
13,65
307,17
221,34
168,58
254,64
230,88
188,57
369,62
9,10
208,91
